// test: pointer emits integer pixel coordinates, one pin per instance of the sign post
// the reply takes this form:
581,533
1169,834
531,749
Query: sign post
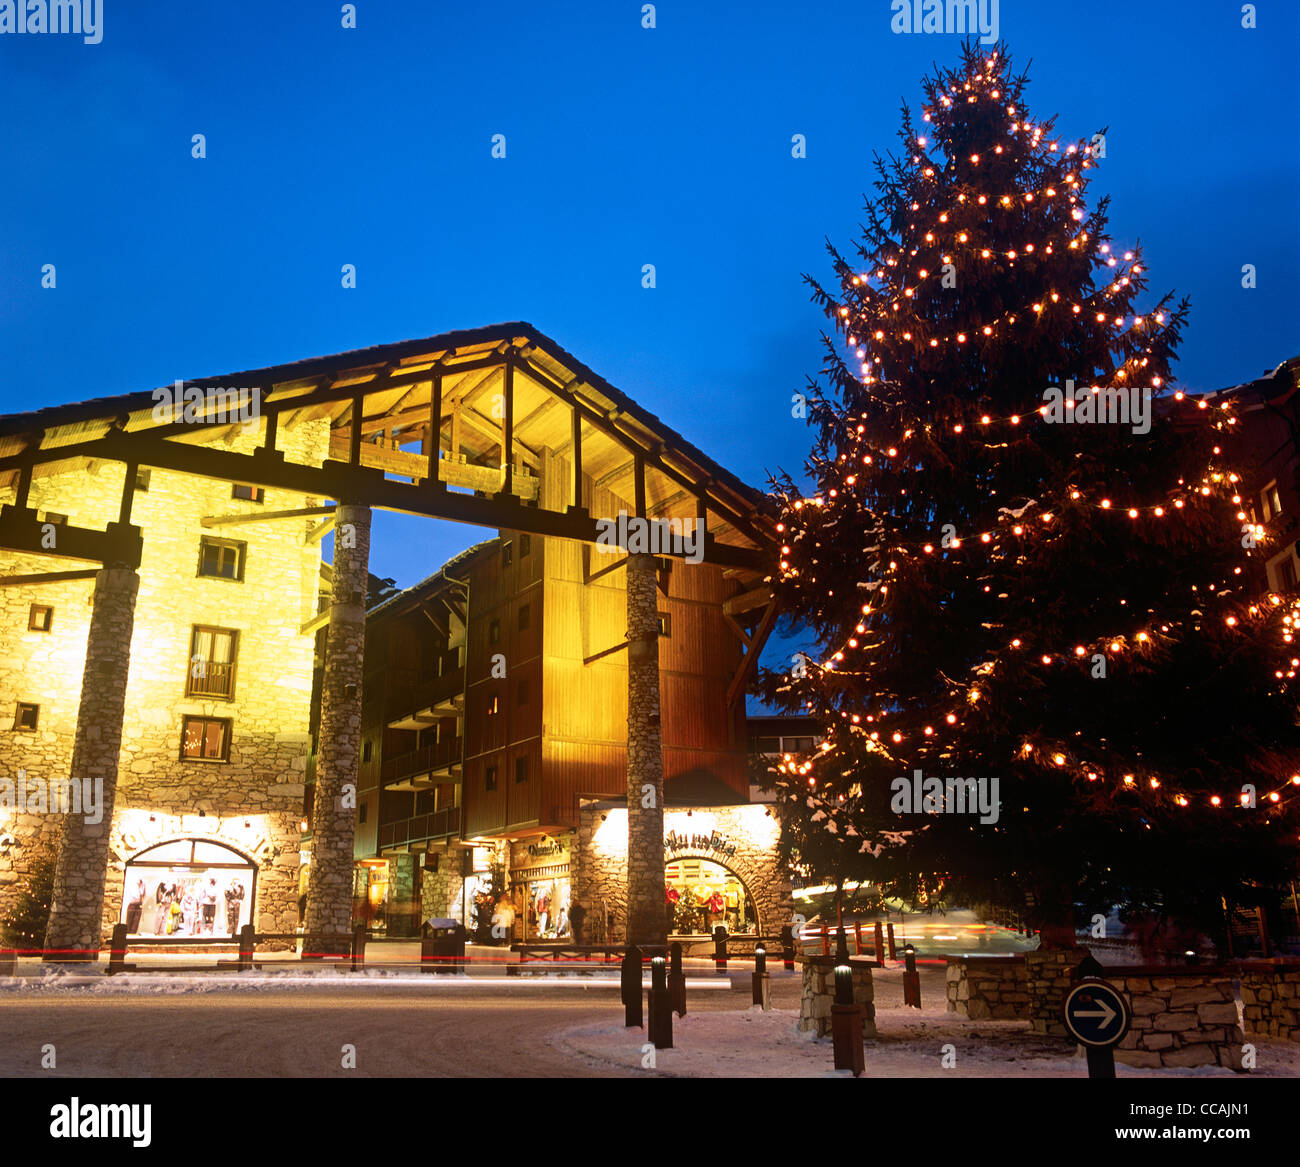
1097,1016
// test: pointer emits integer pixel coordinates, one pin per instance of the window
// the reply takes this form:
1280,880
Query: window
521,693
1272,501
524,617
490,778
142,479
27,716
525,545
494,632
507,553
206,739
521,770
1284,573
223,558
248,493
212,662
39,618
56,519
494,705
367,749
362,811
665,624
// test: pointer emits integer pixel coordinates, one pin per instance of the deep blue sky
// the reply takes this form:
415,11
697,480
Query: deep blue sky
625,146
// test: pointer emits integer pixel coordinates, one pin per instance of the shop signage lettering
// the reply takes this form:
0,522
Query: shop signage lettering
715,842
540,850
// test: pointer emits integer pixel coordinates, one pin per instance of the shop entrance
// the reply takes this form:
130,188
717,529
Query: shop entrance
702,894
188,887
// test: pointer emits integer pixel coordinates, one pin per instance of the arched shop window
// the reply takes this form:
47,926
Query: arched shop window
188,887
702,894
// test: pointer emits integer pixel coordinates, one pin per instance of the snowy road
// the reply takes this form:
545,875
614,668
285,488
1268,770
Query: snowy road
408,1030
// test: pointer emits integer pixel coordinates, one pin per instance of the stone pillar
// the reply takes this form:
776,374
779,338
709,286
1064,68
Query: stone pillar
77,905
647,916
338,751
1048,975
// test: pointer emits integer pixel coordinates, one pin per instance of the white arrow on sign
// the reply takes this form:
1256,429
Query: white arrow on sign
1106,1013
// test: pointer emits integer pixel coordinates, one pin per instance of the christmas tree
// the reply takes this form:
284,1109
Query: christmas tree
23,925
1024,555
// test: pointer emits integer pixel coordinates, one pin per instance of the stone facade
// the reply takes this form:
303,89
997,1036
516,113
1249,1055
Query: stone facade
599,873
984,987
819,994
262,783
1270,995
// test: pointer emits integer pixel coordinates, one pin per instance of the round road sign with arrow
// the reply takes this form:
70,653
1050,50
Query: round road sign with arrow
1096,1013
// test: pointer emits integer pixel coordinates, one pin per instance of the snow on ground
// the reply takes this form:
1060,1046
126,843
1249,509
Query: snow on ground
754,1044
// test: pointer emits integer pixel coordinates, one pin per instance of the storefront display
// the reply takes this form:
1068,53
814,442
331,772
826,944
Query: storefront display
539,882
188,887
702,895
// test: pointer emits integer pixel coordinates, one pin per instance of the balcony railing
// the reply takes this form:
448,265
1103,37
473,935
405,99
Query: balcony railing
218,679
430,759
427,694
439,824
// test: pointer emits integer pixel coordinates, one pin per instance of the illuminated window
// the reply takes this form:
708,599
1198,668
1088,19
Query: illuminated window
206,739
222,558
248,493
507,553
1271,500
40,618
212,662
494,705
665,624
56,519
27,716
494,632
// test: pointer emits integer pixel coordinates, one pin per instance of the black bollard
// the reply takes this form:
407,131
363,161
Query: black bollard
676,978
787,947
247,942
762,982
846,1023
889,940
661,1008
841,948
630,986
720,950
911,978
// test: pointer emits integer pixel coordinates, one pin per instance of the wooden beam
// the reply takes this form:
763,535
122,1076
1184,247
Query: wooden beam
508,430
232,520
747,601
615,474
47,577
750,660
589,576
317,621
577,460
586,660
320,530
364,486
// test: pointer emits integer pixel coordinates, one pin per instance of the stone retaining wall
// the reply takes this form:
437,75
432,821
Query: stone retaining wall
1270,995
982,987
819,994
1182,1016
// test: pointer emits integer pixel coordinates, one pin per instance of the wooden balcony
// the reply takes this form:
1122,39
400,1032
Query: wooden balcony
440,824
422,768
428,701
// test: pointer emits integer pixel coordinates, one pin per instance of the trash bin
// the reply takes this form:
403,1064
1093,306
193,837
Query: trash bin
442,946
